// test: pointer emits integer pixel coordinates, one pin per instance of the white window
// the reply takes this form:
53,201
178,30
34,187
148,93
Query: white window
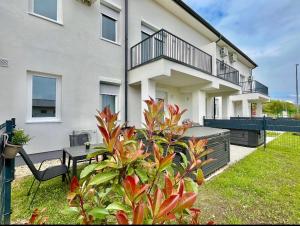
109,28
109,96
47,9
110,22
44,98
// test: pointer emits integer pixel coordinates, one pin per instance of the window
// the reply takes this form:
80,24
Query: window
109,96
109,28
47,9
44,97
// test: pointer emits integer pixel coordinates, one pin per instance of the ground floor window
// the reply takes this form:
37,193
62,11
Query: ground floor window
109,94
44,97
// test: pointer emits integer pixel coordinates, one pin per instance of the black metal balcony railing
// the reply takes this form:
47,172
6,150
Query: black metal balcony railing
254,87
163,44
227,72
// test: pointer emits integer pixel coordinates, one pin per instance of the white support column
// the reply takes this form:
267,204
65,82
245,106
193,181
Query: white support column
199,106
246,108
259,108
147,90
227,107
210,107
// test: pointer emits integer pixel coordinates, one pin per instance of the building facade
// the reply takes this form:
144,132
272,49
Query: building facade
62,59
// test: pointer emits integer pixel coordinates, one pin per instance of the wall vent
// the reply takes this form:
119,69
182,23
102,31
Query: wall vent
3,62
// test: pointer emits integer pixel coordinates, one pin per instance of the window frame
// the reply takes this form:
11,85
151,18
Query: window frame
59,9
58,100
116,29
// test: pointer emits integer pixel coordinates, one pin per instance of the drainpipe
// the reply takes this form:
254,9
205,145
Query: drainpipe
126,61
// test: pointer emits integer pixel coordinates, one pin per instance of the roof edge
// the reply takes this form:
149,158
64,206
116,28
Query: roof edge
212,29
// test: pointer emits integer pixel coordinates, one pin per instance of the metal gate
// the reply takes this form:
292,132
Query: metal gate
7,167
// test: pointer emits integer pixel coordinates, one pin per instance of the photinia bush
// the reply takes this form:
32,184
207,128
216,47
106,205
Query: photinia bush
138,182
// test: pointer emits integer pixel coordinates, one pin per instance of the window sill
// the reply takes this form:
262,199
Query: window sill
41,121
112,42
45,18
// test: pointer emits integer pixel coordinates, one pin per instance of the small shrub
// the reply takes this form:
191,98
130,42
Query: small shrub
19,137
137,183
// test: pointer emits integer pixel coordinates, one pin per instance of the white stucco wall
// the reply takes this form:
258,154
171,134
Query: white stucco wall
73,51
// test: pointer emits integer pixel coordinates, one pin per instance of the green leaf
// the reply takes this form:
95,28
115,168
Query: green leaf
130,171
118,206
182,144
199,177
103,177
184,159
106,163
70,211
142,174
99,213
190,185
87,170
119,189
96,153
160,140
130,142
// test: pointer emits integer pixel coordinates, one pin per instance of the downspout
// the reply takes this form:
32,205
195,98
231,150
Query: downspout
220,37
126,61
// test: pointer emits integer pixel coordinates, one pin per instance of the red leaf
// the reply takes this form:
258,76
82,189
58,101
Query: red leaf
186,201
168,187
157,201
129,185
167,206
210,223
74,184
104,133
140,191
34,216
122,217
138,214
181,188
166,161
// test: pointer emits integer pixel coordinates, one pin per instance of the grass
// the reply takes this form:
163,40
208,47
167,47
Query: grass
272,134
264,187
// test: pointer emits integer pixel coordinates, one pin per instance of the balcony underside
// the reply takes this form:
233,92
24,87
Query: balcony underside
251,97
167,72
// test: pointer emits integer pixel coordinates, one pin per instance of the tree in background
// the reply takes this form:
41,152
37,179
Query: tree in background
276,108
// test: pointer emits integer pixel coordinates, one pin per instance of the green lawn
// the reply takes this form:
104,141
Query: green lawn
262,188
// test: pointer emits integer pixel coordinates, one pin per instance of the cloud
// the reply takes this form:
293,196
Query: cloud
267,31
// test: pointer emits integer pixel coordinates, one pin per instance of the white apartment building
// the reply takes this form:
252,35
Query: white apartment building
60,60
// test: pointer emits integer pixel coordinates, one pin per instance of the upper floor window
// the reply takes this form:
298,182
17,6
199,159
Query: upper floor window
47,9
109,28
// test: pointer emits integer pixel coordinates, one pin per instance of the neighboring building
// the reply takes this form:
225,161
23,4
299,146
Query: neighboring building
62,60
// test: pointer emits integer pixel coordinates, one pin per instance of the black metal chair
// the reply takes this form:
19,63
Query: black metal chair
78,140
43,175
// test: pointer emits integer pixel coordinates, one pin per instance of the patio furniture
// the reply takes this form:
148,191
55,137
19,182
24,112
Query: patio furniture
79,140
77,153
43,175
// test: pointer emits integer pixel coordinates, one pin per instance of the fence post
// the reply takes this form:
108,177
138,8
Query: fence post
8,175
265,132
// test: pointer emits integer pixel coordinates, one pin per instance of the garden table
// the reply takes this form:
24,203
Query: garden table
77,153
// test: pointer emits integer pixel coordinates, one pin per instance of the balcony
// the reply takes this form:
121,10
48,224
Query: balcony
228,73
254,86
163,44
